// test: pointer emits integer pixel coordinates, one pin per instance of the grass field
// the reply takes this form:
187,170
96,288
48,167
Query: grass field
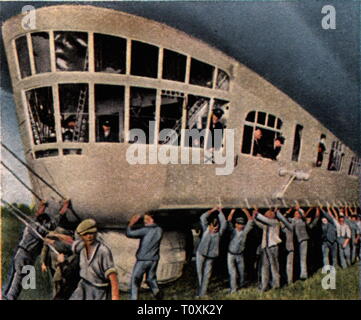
347,281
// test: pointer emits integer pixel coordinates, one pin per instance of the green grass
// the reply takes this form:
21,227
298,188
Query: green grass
347,280
10,236
347,288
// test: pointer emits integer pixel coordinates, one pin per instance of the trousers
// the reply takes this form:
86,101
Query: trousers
270,265
204,271
329,250
148,267
22,258
235,263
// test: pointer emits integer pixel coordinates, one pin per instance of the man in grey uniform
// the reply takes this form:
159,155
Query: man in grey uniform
235,259
30,246
288,229
344,237
355,232
208,249
329,238
269,248
147,255
300,229
98,275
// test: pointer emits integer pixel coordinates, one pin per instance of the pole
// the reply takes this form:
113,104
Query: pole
30,226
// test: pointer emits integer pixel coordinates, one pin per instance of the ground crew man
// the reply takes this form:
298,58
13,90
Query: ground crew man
65,275
98,275
269,248
147,255
344,237
30,246
213,226
288,229
329,238
235,259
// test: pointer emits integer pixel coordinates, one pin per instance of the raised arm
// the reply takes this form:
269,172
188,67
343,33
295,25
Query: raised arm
315,220
222,221
246,212
41,208
230,217
334,210
328,215
266,221
137,233
308,211
281,218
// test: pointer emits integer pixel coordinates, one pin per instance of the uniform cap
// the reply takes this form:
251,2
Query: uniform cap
87,226
218,113
241,220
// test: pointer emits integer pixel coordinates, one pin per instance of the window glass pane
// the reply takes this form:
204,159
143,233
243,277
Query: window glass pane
196,121
251,116
222,80
174,66
74,112
201,73
247,139
109,111
271,120
336,156
23,56
279,124
109,53
46,153
67,152
71,51
41,114
171,118
144,60
41,50
297,143
142,114
261,119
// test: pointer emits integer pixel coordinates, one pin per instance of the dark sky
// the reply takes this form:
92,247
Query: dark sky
283,41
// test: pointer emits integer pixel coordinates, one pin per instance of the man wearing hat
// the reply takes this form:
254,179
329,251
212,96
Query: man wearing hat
68,128
274,150
216,130
106,133
98,275
147,254
213,226
235,259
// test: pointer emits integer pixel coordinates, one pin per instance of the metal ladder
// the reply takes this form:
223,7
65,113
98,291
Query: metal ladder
81,123
194,112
